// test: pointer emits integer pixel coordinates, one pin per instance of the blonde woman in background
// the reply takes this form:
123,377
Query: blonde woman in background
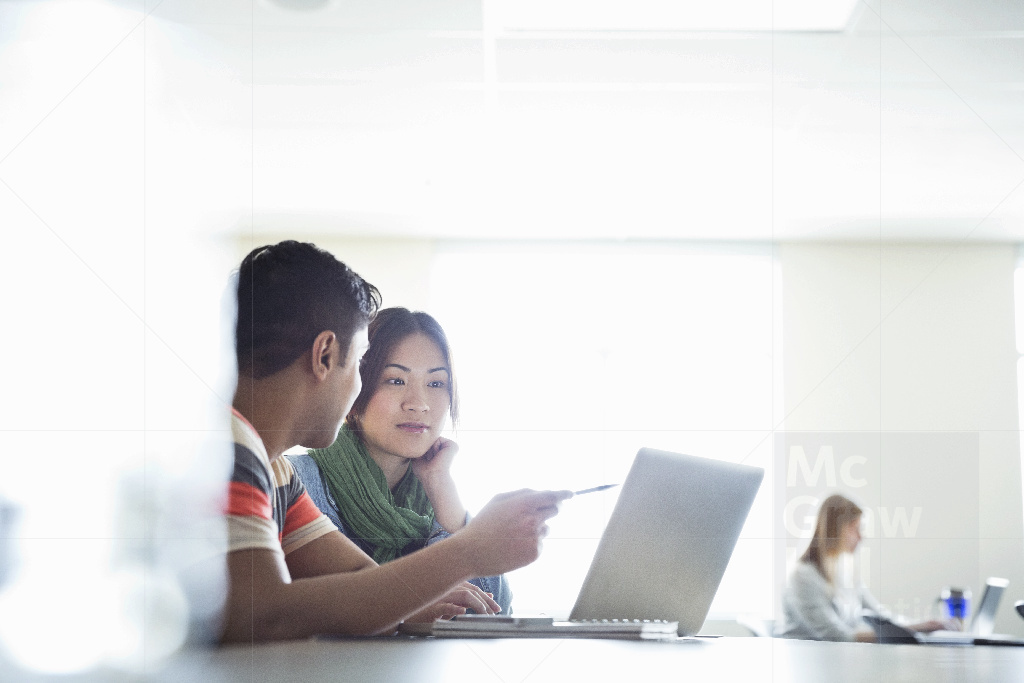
820,601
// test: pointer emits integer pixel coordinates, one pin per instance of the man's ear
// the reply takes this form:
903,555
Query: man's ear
326,354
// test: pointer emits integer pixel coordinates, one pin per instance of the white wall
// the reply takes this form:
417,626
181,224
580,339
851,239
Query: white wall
916,338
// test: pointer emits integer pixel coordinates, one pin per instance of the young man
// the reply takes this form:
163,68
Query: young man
300,333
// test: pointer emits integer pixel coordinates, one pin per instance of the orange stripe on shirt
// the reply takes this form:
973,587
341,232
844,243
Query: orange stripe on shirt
247,500
302,512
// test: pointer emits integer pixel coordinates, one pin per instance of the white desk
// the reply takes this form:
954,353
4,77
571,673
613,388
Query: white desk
749,660
561,661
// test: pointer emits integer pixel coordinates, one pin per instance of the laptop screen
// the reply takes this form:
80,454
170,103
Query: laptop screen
984,618
668,540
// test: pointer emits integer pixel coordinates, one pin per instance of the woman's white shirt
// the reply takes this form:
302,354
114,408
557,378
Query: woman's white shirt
814,609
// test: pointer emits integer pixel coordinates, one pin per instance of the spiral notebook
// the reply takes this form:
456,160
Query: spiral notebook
659,561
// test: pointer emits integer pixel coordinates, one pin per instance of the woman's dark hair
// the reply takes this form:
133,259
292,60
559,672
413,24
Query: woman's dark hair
836,512
388,329
290,292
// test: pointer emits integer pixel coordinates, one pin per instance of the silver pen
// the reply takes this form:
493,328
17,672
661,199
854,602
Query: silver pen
603,487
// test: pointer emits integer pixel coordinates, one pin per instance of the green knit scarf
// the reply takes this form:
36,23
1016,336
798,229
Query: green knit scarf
387,521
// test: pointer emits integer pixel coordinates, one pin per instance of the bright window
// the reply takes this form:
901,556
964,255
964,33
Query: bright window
569,358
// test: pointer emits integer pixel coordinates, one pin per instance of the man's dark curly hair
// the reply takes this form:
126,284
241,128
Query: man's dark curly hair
290,292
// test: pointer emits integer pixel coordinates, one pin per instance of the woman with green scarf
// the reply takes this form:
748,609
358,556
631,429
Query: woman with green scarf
386,481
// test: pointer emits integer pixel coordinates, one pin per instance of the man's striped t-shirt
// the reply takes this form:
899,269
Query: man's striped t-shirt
268,506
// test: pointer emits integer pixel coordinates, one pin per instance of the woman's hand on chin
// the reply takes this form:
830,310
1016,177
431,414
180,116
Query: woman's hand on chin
434,471
436,463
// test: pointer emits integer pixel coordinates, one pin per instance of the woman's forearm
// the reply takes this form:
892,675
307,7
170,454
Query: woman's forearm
449,511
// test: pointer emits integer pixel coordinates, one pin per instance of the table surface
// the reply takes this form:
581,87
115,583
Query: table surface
539,660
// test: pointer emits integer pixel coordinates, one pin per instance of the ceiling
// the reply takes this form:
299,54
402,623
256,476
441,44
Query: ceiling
493,119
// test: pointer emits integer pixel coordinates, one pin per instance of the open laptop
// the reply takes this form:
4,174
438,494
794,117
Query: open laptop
660,559
979,633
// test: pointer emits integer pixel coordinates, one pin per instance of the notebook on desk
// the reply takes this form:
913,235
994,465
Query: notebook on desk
979,633
660,559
